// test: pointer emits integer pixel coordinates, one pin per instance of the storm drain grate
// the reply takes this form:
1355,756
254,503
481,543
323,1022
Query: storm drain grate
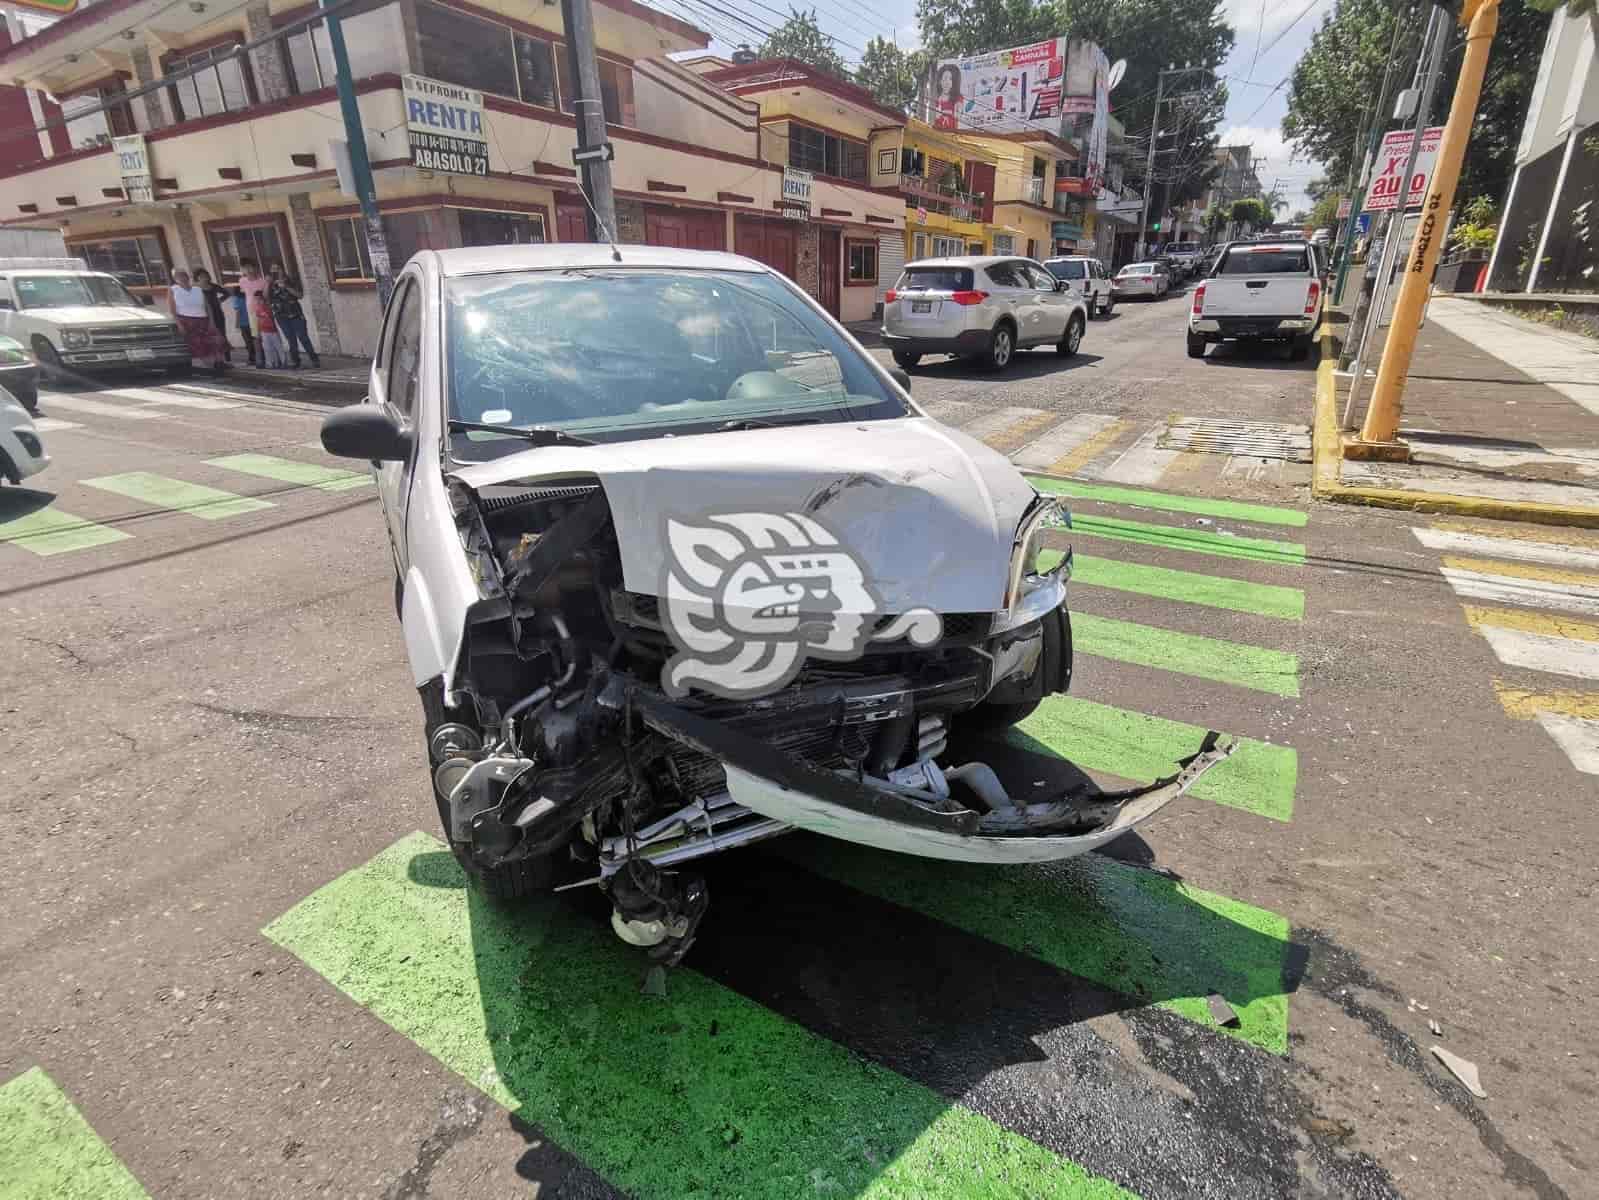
1255,439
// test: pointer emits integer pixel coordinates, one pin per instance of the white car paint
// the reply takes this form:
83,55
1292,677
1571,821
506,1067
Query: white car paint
21,449
102,335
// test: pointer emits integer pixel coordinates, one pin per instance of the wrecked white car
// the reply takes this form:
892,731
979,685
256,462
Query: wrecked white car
681,568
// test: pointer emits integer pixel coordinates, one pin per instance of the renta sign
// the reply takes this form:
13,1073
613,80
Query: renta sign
444,124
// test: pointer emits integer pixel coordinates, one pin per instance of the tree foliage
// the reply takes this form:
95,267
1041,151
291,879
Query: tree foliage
1149,34
1250,212
802,39
1346,58
891,74
1325,214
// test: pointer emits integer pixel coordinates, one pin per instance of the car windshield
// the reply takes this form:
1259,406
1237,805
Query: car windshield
613,354
1138,269
62,291
1068,270
1264,260
935,279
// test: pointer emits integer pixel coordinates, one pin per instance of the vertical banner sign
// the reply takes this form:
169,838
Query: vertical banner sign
797,193
1383,194
1086,111
444,124
133,161
1344,206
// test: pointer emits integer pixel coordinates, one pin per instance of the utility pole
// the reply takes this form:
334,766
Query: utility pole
1149,166
1381,428
377,246
594,152
1358,167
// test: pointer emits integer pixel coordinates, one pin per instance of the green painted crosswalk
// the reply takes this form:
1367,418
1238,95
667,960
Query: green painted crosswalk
1192,654
1195,541
1259,777
287,470
540,1008
1234,510
159,491
52,531
1131,930
1189,587
49,1152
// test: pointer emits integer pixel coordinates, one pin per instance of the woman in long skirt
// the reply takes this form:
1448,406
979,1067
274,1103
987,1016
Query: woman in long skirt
194,319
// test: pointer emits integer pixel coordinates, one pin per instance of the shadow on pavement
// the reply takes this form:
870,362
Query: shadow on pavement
1028,364
20,501
1269,356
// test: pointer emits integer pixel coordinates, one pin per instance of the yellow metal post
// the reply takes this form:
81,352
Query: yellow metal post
1387,398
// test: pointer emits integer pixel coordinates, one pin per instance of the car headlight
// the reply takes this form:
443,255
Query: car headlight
1031,558
74,338
30,443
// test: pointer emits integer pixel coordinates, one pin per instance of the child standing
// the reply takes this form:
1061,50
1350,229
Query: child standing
266,330
241,321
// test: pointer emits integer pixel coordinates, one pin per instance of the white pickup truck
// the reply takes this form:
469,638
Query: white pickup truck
1259,291
78,321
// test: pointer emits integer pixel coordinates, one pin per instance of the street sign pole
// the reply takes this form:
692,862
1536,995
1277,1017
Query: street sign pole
377,247
578,18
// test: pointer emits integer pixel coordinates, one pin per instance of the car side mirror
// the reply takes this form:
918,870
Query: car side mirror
368,432
901,377
1060,285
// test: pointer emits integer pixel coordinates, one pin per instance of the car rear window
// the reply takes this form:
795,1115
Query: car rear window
935,279
1068,270
1272,260
1183,248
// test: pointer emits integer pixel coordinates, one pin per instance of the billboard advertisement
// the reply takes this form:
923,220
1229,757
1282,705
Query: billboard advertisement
1001,91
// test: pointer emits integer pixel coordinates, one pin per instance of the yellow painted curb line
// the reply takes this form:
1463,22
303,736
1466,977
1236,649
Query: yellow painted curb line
1328,453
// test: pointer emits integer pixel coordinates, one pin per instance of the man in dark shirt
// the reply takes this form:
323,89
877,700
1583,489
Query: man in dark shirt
283,297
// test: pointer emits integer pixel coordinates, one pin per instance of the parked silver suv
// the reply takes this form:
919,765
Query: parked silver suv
982,308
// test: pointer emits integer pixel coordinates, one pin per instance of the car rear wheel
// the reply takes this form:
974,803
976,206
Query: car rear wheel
1105,308
1001,347
1072,339
907,359
50,365
1196,347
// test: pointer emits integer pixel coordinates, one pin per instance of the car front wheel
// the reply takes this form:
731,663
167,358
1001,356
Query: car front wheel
1001,346
1072,339
907,359
1196,347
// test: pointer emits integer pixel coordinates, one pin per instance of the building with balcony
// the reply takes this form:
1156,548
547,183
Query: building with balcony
241,152
849,251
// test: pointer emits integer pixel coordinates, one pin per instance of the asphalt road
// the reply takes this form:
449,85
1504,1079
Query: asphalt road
235,961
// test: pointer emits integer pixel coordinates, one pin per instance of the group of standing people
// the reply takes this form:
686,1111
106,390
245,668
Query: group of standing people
266,312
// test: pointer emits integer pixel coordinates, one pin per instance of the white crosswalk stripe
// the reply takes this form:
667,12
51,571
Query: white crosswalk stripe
99,408
1507,589
1577,736
996,421
176,399
1061,440
1144,462
54,424
1543,651
1523,550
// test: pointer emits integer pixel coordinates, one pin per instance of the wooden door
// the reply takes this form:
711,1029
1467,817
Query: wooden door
571,218
829,248
771,242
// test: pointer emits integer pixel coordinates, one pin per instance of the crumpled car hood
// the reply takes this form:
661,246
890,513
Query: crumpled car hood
929,513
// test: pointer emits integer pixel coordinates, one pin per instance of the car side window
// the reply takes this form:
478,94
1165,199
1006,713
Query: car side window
1004,275
403,378
1041,279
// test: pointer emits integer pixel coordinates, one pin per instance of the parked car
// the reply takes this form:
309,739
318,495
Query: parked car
669,549
1087,279
21,452
19,374
1187,256
77,321
981,307
1259,291
1146,279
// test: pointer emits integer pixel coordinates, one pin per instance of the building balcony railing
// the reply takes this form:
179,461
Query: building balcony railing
1035,191
944,198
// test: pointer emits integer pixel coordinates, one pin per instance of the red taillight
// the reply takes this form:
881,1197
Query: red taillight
1313,298
969,298
890,296
1199,299
1147,278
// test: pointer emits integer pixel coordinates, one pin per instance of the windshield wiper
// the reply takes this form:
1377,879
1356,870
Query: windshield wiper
738,423
539,435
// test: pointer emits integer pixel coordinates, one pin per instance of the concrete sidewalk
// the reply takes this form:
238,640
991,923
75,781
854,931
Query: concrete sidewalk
1502,417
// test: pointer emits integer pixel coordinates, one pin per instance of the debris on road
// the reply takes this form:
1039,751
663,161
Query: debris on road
654,982
1436,1029
1222,1011
1462,1069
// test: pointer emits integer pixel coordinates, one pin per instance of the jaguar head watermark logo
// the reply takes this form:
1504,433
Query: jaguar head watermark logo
748,596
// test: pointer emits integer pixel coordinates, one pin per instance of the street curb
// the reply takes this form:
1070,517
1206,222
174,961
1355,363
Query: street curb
1328,453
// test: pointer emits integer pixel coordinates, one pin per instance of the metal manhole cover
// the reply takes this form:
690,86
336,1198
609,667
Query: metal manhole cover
1255,439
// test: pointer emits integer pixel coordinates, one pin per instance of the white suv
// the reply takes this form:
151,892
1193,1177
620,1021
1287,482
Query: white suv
982,308
1086,278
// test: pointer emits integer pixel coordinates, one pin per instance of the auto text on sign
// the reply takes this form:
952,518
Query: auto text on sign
444,124
1383,194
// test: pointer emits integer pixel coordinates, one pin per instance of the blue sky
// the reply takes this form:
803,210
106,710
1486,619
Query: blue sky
1281,28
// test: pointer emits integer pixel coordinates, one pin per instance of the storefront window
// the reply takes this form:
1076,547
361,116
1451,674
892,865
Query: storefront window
139,261
482,228
405,233
222,85
466,51
264,243
862,262
375,41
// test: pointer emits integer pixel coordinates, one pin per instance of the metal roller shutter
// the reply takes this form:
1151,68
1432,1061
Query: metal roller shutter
890,261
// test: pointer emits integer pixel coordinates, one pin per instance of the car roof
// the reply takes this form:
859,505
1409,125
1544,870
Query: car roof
1274,244
49,271
968,260
1071,258
480,260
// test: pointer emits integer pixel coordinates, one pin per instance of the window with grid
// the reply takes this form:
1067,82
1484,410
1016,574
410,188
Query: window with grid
139,262
480,227
863,262
220,85
812,150
260,242
346,249
466,50
374,40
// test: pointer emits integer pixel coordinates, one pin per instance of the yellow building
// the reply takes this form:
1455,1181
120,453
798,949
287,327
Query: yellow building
948,186
1040,207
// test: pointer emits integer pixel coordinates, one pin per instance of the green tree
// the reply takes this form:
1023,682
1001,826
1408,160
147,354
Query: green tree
1271,202
1149,34
1347,55
802,39
1249,212
1578,7
891,74
1214,221
1325,214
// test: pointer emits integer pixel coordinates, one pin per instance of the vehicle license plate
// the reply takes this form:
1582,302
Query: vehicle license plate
925,306
140,355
